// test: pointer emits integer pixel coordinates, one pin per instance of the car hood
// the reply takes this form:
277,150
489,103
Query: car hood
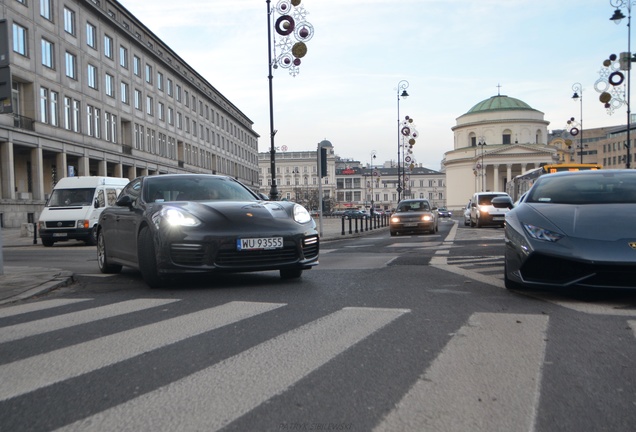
606,222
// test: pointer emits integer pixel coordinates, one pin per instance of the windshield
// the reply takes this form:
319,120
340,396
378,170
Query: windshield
585,188
195,188
413,206
71,197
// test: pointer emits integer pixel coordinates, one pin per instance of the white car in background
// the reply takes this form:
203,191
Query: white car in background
467,214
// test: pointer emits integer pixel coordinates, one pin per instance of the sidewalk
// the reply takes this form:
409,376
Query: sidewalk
19,283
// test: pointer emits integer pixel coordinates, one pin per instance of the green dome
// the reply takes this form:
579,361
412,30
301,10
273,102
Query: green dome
499,103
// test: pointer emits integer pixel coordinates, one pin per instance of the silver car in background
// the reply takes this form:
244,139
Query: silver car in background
574,230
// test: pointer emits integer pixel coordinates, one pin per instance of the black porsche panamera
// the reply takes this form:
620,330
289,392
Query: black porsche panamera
166,225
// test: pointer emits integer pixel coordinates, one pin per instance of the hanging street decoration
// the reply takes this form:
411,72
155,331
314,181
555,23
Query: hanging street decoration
409,135
294,32
611,84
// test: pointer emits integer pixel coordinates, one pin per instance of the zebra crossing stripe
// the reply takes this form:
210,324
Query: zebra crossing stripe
35,307
214,397
24,376
486,378
20,331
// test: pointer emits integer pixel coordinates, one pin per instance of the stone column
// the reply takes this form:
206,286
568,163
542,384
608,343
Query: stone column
495,169
102,168
7,171
84,167
509,172
37,174
61,166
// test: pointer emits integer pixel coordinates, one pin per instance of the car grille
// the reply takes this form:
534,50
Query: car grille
234,258
558,271
188,254
60,224
197,255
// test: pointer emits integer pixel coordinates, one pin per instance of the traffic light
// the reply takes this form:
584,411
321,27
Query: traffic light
323,162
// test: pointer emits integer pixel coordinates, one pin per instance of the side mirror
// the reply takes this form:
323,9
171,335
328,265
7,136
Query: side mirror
124,201
96,203
502,202
263,196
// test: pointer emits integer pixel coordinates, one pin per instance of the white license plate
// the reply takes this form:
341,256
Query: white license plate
410,224
500,218
59,234
259,243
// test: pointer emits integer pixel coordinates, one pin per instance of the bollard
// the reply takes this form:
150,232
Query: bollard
343,227
35,233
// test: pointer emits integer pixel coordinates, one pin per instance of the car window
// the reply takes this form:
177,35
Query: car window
413,206
487,199
195,188
584,189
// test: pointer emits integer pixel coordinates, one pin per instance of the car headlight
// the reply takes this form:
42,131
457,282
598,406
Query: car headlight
176,217
427,218
301,215
395,219
542,233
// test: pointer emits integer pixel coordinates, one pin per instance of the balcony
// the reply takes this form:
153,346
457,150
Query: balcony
22,122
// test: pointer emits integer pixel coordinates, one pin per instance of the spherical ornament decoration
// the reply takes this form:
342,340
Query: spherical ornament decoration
284,25
412,141
616,78
295,2
299,50
605,97
406,131
304,31
574,131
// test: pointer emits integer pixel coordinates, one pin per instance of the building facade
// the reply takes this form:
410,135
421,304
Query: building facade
95,92
497,139
349,184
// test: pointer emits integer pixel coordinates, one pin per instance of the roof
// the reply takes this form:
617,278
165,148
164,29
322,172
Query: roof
500,103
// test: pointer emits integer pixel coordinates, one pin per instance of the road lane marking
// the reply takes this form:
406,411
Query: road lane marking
487,378
214,397
38,306
24,376
58,322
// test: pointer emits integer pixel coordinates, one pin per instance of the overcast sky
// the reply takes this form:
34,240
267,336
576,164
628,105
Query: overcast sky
453,53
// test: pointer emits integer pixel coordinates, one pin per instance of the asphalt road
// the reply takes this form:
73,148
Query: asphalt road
387,334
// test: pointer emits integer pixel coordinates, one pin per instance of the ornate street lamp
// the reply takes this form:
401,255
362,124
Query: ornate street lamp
293,30
402,85
578,95
481,142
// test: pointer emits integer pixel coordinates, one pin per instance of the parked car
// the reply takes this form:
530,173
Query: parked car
444,212
467,214
482,212
559,236
166,225
354,214
413,215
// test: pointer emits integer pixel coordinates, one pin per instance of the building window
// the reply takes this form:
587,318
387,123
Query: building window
44,105
91,35
149,74
110,127
139,137
505,139
178,93
93,121
71,65
110,85
161,111
138,99
137,66
91,76
48,54
159,81
170,116
20,43
45,9
123,57
169,89
125,97
69,21
54,111
108,47
149,106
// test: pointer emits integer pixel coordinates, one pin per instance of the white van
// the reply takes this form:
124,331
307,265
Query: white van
74,207
483,212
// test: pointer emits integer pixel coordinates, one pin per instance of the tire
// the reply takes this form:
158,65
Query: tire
478,223
291,273
92,237
393,233
47,242
148,259
102,257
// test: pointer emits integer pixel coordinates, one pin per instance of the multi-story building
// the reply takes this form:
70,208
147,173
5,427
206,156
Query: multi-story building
349,183
95,92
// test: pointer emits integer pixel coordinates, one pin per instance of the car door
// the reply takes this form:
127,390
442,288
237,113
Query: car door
128,219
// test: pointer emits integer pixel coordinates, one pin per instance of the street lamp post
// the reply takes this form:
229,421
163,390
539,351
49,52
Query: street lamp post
481,142
294,31
402,85
578,88
617,17
372,180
